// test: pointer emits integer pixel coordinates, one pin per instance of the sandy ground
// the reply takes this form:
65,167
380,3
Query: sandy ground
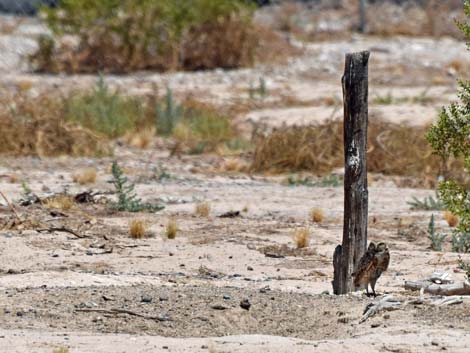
183,295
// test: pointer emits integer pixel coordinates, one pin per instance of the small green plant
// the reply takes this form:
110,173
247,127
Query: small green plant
461,242
26,191
436,238
104,111
423,97
328,181
127,199
261,91
168,114
466,267
384,100
429,203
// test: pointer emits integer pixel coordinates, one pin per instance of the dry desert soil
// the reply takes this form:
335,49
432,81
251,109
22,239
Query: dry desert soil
98,290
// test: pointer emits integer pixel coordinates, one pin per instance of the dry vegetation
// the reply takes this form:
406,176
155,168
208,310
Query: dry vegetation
162,36
317,215
60,202
392,150
85,176
202,209
451,219
35,126
301,237
137,228
171,229
384,18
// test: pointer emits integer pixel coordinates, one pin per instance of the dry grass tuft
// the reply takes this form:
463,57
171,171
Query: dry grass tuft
171,229
60,202
235,165
141,138
61,350
85,176
35,126
317,215
451,219
137,228
301,237
203,209
392,150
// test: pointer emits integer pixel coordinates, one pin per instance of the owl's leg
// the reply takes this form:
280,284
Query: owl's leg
372,285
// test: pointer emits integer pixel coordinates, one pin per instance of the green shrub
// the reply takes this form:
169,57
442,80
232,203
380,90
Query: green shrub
106,112
128,35
450,138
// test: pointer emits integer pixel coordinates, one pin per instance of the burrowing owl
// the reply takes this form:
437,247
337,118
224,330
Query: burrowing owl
370,267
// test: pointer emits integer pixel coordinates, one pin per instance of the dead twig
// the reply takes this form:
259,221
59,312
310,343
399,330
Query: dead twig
10,206
123,311
61,229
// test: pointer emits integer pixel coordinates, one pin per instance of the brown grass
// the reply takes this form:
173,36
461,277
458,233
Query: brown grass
60,202
451,219
203,209
317,215
301,237
35,126
435,18
171,229
137,228
392,150
85,176
141,138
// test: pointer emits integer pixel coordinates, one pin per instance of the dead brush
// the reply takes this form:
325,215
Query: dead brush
60,202
171,229
138,228
451,219
317,215
85,176
203,209
200,34
301,237
141,138
35,126
392,150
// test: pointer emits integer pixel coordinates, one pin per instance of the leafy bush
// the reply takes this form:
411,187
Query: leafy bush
106,112
128,35
450,138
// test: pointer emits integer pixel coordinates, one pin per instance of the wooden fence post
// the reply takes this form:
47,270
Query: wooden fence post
355,92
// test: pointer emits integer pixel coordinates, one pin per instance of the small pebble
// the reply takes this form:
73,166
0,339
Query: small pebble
245,304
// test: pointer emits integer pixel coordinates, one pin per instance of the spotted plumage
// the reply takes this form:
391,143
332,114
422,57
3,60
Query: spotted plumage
371,265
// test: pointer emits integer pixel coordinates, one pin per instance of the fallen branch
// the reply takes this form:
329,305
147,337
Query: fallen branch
458,288
10,206
123,311
388,303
